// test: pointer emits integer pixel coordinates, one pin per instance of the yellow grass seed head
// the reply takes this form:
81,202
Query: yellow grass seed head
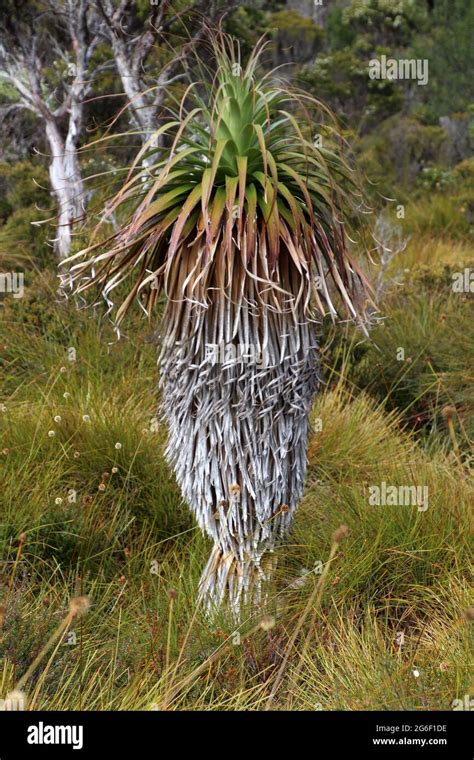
267,623
448,412
340,534
79,605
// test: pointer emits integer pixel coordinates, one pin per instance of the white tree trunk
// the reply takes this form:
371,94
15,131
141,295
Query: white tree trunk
66,180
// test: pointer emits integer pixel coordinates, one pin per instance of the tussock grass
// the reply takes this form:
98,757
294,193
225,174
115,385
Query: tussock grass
433,252
419,359
129,545
441,215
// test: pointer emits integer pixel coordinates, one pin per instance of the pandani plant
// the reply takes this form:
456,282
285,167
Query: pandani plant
241,224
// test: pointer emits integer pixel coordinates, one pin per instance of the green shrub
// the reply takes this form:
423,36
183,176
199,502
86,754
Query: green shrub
23,183
399,150
464,172
296,37
24,200
341,80
22,239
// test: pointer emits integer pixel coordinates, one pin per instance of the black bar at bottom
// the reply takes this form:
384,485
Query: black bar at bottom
133,734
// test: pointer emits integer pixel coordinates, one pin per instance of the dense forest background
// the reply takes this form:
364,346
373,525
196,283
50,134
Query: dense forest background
99,57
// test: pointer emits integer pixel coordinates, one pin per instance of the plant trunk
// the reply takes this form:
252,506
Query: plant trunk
236,398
